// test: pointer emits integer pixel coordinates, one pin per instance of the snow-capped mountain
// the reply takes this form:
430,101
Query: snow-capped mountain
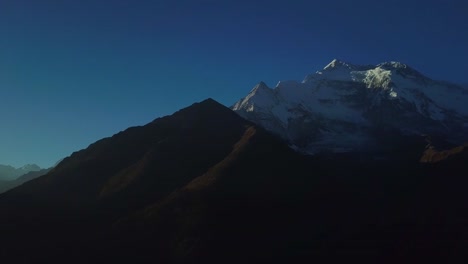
345,107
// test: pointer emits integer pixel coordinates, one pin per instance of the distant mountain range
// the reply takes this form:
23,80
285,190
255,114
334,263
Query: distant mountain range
347,107
6,185
205,185
8,173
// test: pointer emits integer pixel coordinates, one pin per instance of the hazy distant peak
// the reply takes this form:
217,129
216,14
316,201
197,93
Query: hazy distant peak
30,167
10,173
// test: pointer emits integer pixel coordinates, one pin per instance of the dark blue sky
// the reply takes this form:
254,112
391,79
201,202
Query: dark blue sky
72,72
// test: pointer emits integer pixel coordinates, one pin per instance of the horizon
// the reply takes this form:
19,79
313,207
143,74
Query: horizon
73,73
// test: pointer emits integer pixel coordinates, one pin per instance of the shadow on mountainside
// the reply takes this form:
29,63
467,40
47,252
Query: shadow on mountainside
205,185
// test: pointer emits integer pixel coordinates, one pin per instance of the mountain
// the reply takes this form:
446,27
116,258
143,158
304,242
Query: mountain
10,184
348,107
118,176
11,177
205,185
8,173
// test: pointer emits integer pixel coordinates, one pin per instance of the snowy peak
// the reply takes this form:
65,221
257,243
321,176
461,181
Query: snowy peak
335,70
338,70
341,105
335,64
260,97
392,65
30,167
402,69
260,86
260,90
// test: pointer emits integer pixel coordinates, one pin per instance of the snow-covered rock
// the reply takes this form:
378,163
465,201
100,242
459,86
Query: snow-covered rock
341,107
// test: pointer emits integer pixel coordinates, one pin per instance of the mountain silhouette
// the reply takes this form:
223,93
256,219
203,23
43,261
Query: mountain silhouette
7,185
205,185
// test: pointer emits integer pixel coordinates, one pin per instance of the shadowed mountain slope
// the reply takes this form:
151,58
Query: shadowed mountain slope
123,173
205,185
7,185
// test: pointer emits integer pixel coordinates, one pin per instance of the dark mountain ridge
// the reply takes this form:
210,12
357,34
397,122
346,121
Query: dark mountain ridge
205,185
7,185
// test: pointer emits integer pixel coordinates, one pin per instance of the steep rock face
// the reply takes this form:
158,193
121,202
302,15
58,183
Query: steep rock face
348,107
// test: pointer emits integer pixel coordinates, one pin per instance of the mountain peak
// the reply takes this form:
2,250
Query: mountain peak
392,64
210,101
261,86
402,69
11,173
207,103
336,69
207,108
30,167
338,107
335,63
388,65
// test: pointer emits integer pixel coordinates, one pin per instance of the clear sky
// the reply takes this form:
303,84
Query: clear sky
72,72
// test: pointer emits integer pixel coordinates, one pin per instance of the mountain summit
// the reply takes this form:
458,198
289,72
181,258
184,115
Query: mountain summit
154,192
335,64
348,107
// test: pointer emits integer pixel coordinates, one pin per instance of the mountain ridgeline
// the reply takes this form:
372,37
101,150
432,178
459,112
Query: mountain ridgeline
347,107
10,184
11,177
9,173
205,185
